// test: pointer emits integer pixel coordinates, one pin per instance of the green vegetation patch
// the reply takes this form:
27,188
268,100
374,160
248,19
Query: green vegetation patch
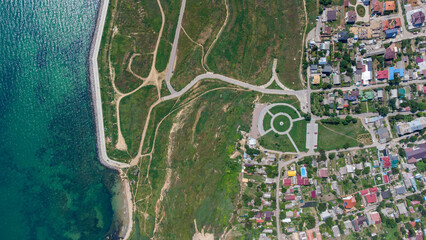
298,134
277,142
360,10
338,136
284,109
141,64
133,112
281,123
267,121
254,36
201,23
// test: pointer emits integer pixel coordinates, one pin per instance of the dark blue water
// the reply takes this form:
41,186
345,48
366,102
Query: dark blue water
51,183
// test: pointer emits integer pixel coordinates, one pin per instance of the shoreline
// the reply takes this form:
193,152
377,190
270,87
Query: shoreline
98,114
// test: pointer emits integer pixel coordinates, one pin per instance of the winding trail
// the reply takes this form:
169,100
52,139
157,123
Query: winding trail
218,34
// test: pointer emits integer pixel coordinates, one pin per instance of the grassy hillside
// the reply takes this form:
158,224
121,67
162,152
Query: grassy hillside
258,32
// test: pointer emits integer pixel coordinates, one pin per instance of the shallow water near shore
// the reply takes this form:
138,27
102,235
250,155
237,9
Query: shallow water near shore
52,185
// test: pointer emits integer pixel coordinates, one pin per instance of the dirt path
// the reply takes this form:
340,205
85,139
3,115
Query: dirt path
218,34
303,44
338,132
202,48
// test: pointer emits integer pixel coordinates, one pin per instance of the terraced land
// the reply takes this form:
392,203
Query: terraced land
256,33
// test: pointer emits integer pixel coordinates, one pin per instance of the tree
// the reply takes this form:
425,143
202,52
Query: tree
346,145
383,111
332,156
322,207
366,170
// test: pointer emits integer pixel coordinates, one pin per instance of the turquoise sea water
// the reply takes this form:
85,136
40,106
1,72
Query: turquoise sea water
51,183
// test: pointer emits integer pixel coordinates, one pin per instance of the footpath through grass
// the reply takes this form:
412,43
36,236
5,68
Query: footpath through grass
338,136
256,34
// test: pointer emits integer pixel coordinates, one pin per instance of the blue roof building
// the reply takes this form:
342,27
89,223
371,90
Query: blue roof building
416,125
392,72
391,33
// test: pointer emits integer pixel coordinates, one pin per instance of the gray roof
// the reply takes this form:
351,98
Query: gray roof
385,194
327,69
400,190
331,15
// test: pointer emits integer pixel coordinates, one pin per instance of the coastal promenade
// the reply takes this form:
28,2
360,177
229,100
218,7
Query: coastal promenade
97,107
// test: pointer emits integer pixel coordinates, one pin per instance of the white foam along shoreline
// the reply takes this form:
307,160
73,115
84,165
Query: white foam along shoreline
98,114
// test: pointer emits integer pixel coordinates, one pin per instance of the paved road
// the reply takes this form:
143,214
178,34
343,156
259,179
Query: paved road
172,59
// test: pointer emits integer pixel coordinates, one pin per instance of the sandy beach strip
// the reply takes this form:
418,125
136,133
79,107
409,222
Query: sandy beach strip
98,114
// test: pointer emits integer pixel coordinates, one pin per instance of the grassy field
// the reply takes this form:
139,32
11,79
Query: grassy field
201,21
281,123
298,134
285,109
267,121
277,142
256,34
336,136
133,112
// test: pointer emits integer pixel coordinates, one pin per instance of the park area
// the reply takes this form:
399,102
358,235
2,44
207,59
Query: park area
282,128
339,136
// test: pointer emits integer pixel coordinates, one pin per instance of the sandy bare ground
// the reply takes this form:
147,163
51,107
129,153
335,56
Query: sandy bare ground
201,235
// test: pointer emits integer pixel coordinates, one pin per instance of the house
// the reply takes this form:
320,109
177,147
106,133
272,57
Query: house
371,198
377,7
363,192
361,220
383,134
322,61
390,52
393,71
391,23
380,94
291,173
350,17
373,189
327,70
418,153
287,182
336,231
268,216
382,75
374,218
400,190
326,31
331,15
343,36
314,68
386,162
323,172
349,202
356,226
389,6
410,127
324,215
336,79
417,18
386,194
316,79
267,195
348,225
343,171
402,210
290,197
391,33
393,93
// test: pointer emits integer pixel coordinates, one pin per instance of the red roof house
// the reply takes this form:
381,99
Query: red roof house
373,189
349,202
381,75
412,160
385,179
323,172
375,218
287,182
389,6
414,203
386,162
371,198
289,197
363,192
313,194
